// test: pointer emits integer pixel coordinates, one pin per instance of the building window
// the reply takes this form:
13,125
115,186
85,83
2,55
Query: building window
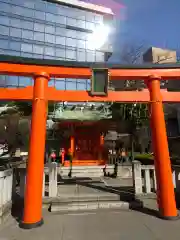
100,56
51,7
81,15
51,17
90,16
39,15
60,19
60,84
13,45
90,56
72,22
12,53
81,24
70,54
4,30
28,55
60,53
39,56
4,20
81,56
2,81
5,7
51,83
26,34
82,35
29,4
88,84
40,5
60,31
49,38
39,27
71,85
49,51
60,40
81,85
28,12
4,44
25,47
38,49
15,32
12,80
38,36
71,42
49,29
98,18
71,33
25,81
14,22
90,26
81,44
26,25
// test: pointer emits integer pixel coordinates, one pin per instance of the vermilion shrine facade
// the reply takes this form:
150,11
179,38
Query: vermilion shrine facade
81,129
40,94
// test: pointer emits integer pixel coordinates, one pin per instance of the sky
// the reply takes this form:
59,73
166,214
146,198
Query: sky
151,22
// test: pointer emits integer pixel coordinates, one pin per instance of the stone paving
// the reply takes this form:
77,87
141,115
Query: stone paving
98,186
106,225
97,224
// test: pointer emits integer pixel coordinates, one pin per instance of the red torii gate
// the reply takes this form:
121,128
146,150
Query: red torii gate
40,94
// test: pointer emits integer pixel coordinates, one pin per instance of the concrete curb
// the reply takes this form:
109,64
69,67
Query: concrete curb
89,206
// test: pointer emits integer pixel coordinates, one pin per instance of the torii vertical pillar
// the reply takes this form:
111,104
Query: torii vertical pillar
165,188
34,181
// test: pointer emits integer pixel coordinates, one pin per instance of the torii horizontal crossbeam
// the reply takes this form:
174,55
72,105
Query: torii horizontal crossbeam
82,70
64,69
82,96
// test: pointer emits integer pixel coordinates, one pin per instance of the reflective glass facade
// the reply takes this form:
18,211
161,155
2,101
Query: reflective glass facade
41,29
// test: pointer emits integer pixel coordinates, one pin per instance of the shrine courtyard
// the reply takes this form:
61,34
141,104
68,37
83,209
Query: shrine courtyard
97,225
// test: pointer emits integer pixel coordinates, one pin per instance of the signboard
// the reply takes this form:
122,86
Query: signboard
99,82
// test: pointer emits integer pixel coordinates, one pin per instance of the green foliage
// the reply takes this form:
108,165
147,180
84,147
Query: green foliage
136,114
24,107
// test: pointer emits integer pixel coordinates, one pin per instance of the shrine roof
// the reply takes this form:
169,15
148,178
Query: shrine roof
81,112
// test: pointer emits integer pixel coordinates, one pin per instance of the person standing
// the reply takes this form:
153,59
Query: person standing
52,156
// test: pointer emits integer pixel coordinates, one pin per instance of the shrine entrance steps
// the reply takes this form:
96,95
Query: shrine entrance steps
85,194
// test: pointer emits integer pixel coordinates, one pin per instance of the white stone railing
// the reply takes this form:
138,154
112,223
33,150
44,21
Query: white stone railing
176,177
51,173
49,186
6,178
6,182
144,178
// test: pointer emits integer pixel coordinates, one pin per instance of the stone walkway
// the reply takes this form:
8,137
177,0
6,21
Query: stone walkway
97,186
106,225
98,224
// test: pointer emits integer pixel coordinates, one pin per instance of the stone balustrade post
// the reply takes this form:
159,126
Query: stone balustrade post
53,180
137,177
147,181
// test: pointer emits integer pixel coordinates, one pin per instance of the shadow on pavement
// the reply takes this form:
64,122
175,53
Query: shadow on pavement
17,208
125,193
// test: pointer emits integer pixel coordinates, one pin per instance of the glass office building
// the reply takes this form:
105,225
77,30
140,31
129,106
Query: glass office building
54,30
